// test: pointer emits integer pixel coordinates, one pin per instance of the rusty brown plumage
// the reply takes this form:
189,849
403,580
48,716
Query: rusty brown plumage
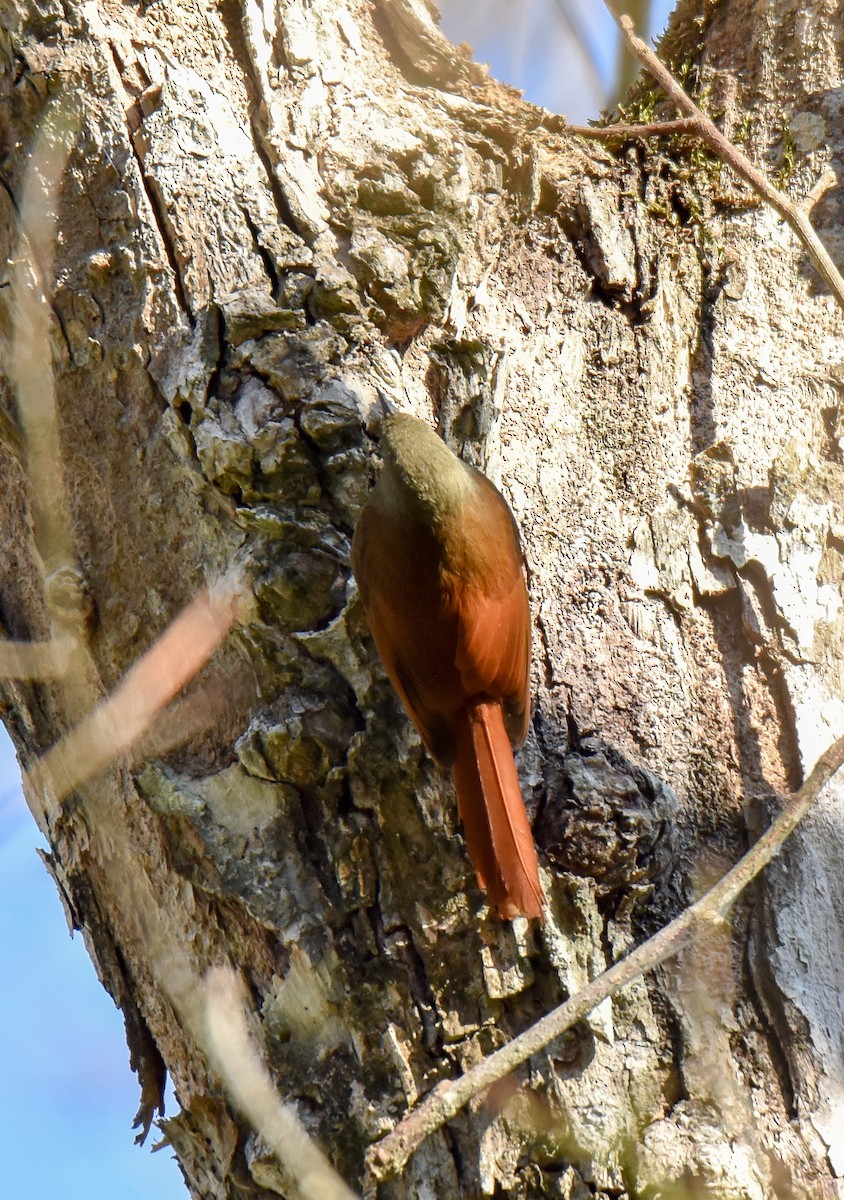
437,557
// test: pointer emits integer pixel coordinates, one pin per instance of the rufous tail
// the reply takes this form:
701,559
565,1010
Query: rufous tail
489,801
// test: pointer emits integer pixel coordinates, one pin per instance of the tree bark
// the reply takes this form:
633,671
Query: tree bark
272,219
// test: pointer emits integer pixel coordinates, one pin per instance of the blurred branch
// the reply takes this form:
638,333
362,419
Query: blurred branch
573,24
124,716
248,1083
389,1156
35,438
36,660
184,719
794,215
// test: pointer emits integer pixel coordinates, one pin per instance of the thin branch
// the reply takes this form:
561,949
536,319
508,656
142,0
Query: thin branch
794,216
213,1015
626,71
620,133
389,1155
248,1083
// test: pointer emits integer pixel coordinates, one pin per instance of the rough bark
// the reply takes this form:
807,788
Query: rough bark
272,217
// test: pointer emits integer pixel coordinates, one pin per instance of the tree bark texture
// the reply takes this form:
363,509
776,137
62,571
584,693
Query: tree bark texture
275,215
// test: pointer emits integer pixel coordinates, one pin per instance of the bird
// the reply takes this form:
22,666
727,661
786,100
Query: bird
439,566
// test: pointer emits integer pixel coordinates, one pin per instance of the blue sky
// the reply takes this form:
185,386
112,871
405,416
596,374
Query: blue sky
67,1096
526,43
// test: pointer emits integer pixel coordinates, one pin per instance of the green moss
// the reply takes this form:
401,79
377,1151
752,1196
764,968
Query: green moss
742,132
713,481
789,152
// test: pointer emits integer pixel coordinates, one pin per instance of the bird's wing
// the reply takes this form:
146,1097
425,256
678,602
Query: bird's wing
493,649
412,635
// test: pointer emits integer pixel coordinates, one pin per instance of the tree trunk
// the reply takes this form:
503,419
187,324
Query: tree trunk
272,218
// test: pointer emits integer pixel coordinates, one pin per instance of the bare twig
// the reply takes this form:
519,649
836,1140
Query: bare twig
619,133
821,186
794,215
389,1155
